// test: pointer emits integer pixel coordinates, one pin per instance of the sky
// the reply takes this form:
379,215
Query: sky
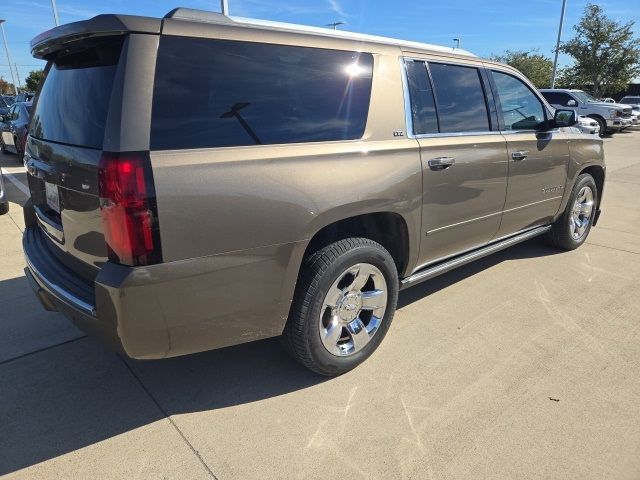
485,27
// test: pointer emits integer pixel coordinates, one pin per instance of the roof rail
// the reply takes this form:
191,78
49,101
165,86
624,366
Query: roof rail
203,16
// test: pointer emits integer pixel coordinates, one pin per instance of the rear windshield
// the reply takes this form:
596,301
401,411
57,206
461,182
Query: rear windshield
73,103
217,93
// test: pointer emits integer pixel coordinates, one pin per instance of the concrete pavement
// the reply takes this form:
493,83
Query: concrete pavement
521,365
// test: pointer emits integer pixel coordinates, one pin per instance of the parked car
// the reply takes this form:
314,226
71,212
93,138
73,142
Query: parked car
5,104
4,201
634,103
24,97
636,112
608,100
13,129
315,176
588,125
631,100
610,116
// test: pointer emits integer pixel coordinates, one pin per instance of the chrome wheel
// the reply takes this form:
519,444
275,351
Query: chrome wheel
581,213
353,309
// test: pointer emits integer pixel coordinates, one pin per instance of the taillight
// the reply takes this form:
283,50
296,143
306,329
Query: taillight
128,208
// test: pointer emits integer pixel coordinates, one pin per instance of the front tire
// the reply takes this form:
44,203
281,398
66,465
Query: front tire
343,306
572,228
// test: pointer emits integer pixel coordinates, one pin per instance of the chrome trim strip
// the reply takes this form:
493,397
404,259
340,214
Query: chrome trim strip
456,134
532,204
60,293
407,100
439,229
458,261
48,226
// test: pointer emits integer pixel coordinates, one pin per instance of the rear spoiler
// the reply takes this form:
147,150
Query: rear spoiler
55,39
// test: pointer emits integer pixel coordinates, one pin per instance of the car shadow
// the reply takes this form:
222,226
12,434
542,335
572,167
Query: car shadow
530,249
75,394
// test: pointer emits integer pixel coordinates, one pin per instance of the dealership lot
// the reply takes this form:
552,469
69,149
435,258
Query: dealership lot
521,365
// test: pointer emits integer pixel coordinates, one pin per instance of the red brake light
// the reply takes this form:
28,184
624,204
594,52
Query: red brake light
128,208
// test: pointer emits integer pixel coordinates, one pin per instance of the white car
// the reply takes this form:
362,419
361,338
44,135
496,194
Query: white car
588,125
633,100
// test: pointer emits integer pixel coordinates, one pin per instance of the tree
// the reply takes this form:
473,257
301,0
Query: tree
33,80
6,88
606,55
535,66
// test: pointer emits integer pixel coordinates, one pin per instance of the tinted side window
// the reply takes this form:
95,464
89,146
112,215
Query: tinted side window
521,109
423,109
460,98
552,97
218,93
557,98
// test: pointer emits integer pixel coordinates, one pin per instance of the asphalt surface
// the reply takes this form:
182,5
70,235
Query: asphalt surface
525,364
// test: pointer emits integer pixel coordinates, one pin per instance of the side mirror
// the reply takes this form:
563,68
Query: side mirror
565,118
572,103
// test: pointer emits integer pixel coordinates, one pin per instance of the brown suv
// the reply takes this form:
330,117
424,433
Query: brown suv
199,181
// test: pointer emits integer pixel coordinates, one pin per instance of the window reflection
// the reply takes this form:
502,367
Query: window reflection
233,93
521,109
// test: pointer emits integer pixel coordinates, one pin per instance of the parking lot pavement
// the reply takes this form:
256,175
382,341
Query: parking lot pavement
521,365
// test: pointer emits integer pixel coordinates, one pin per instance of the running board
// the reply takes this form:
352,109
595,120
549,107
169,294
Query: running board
443,267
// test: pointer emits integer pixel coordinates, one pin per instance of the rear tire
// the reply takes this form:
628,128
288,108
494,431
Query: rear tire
344,303
573,226
4,208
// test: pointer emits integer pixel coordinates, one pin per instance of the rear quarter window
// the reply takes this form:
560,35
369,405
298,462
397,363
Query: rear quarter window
220,93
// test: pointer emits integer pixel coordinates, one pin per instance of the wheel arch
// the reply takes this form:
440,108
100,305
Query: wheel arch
389,229
598,174
601,121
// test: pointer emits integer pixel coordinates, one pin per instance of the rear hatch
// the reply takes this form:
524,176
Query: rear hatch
64,150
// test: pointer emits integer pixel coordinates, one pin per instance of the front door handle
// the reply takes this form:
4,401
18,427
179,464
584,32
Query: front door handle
520,155
441,163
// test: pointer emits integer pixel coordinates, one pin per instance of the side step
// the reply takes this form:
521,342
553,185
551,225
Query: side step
443,267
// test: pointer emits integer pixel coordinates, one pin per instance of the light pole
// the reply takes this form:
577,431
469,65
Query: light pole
555,61
6,47
55,12
335,25
224,6
457,40
18,75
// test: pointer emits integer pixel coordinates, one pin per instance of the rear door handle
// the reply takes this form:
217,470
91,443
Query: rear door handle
441,163
520,154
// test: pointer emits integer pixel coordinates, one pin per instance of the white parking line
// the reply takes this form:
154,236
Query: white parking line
15,181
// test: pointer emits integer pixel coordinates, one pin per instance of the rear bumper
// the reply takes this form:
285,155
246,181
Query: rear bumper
169,309
58,289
